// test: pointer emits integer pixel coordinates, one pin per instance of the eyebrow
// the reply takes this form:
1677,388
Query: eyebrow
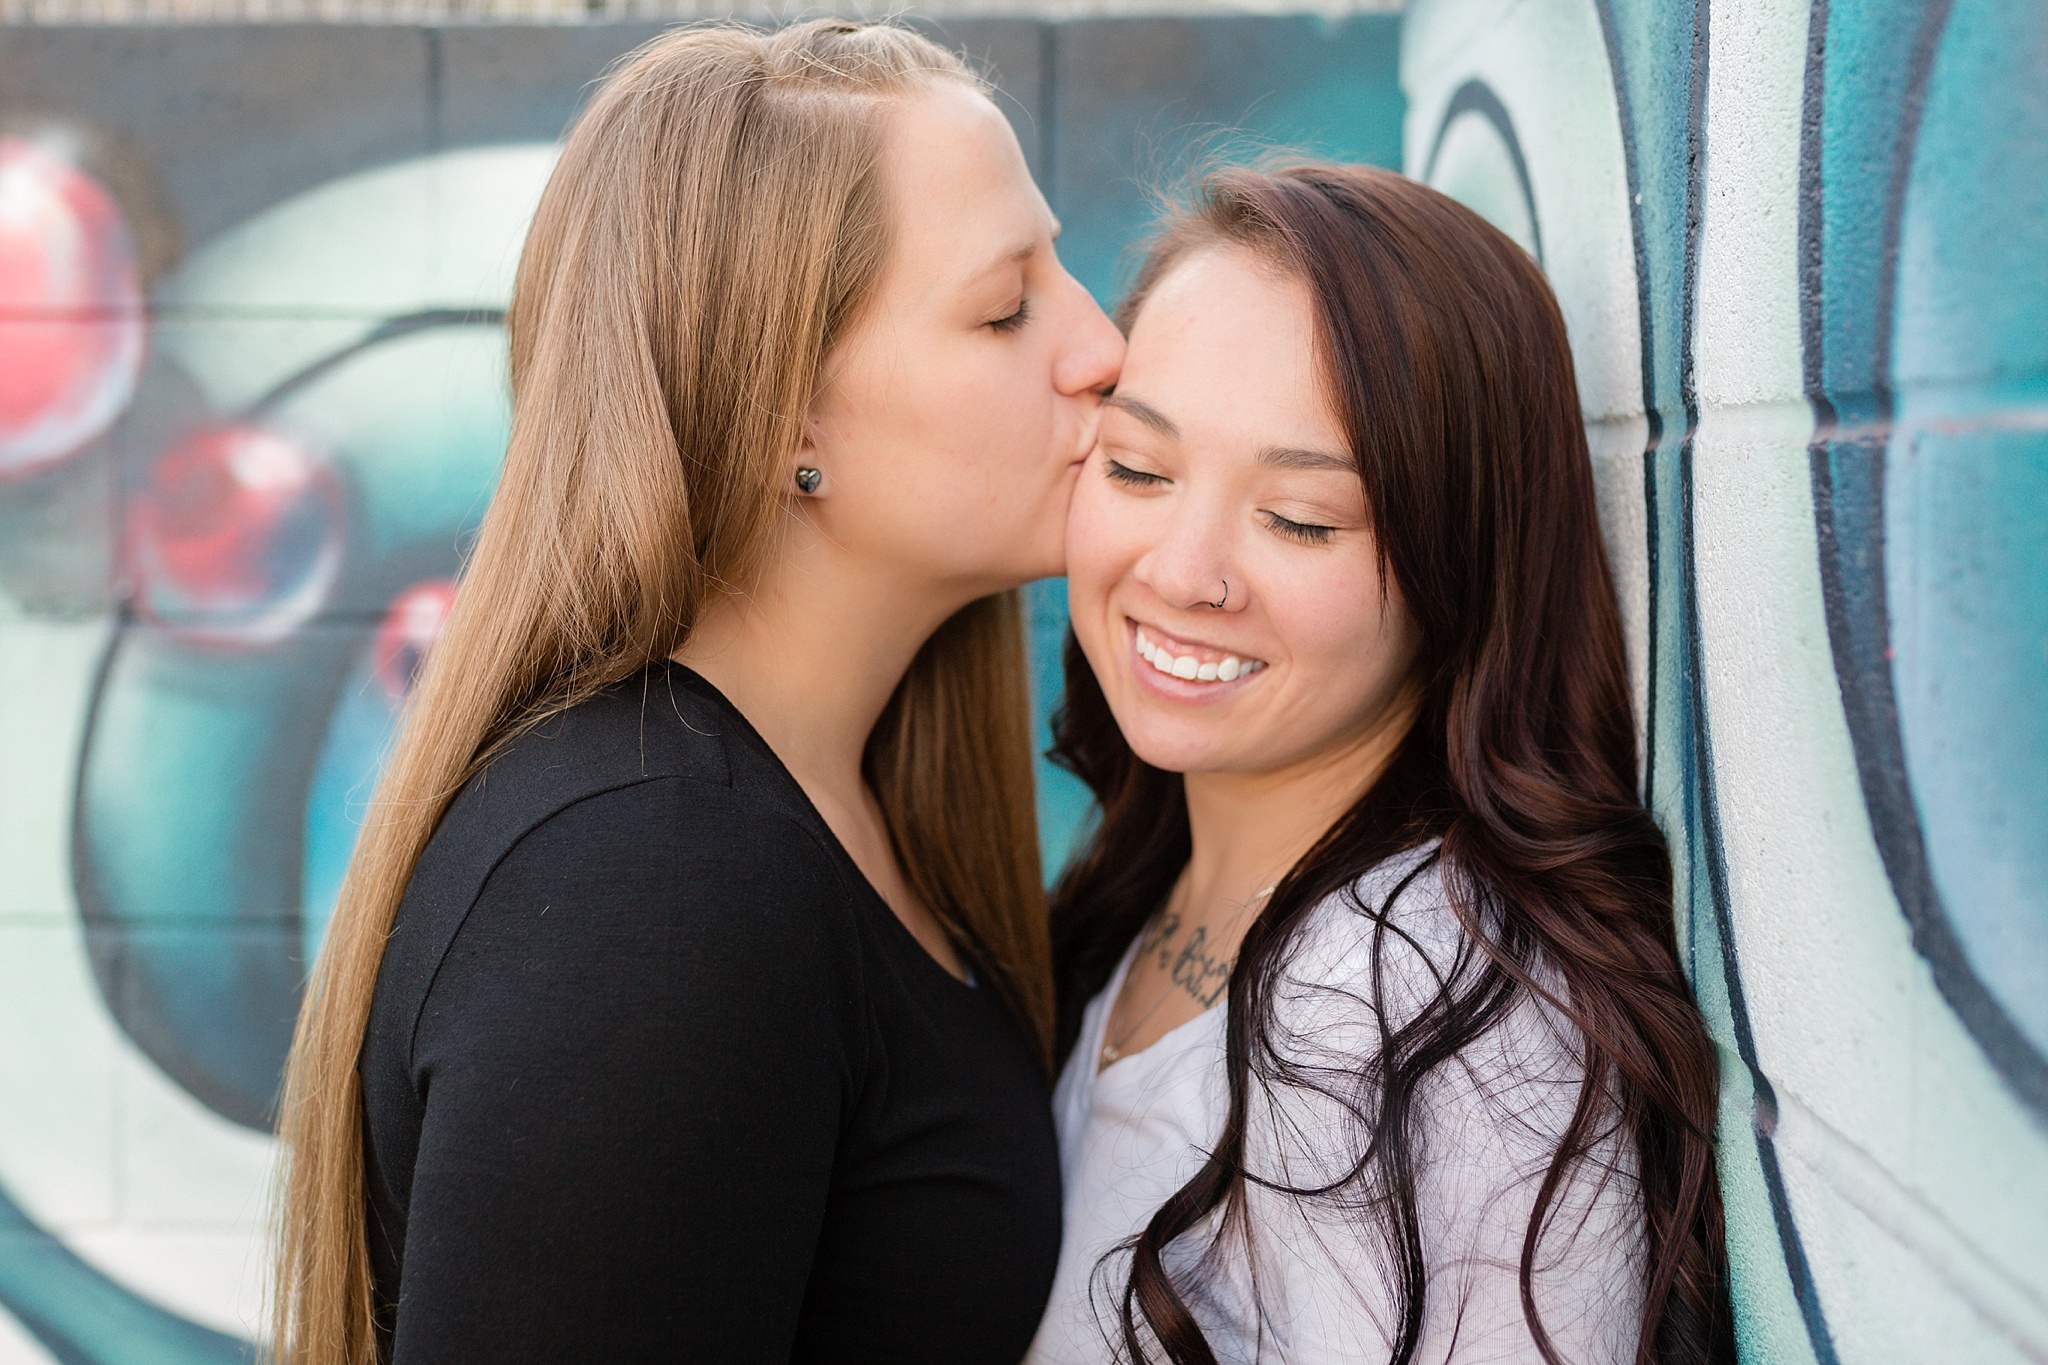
1016,255
1292,457
1144,412
1275,457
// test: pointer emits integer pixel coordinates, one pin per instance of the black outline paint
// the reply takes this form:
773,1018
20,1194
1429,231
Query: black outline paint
1476,97
1653,437
111,930
1699,808
391,329
1812,219
1859,623
1707,812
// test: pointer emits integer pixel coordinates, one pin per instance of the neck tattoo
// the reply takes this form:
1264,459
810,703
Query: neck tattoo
1193,970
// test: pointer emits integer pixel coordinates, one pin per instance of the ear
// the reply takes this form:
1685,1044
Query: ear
806,472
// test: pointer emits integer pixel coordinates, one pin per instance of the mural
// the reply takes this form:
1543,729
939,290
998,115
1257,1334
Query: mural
251,404
1799,247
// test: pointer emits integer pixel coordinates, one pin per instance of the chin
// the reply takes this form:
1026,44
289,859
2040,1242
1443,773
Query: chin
1174,747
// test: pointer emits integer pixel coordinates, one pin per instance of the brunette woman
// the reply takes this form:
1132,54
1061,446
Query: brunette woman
689,997
1386,1054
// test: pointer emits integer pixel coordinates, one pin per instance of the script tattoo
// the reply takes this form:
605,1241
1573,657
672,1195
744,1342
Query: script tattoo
1198,973
1158,935
1193,968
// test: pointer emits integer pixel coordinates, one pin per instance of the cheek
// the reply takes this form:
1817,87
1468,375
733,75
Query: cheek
1105,538
990,399
974,440
1347,648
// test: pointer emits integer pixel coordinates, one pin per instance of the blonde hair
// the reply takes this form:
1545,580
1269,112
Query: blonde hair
714,226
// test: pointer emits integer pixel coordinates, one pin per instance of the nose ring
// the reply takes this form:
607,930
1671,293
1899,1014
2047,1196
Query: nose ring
1218,603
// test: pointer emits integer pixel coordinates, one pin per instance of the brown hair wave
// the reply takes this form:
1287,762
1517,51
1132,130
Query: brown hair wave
1446,362
714,226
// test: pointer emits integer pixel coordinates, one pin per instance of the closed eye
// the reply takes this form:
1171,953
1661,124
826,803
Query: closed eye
1301,532
1014,320
1129,477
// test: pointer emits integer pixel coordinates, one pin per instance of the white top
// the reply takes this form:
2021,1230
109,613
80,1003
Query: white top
1489,1122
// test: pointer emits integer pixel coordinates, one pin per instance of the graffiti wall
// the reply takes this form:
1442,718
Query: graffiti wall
1802,252
251,403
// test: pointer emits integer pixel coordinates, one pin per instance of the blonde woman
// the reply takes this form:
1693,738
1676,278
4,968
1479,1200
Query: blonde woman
689,996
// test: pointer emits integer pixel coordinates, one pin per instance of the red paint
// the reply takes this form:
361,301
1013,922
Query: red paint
235,535
410,628
71,318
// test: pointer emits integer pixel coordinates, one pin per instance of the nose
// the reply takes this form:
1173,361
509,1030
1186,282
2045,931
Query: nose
1189,569
1093,353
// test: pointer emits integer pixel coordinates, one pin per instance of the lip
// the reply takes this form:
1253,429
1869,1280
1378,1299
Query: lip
1184,689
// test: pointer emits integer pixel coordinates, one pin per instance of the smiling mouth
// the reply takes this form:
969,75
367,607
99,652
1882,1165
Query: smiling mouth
1194,663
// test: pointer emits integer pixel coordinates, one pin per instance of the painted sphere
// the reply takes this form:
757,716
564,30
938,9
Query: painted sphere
235,536
410,628
71,318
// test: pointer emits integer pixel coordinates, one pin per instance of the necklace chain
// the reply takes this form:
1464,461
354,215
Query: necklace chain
1113,1049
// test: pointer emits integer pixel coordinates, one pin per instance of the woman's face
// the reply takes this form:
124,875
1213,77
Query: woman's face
1219,460
955,416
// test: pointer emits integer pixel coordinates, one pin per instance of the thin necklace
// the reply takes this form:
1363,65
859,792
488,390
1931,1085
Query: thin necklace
1113,1049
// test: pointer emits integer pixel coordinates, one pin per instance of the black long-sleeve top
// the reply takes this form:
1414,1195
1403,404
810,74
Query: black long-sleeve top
653,1074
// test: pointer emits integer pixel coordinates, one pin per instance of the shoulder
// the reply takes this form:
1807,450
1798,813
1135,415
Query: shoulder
1371,978
656,775
666,842
639,822
1392,944
656,724
1389,939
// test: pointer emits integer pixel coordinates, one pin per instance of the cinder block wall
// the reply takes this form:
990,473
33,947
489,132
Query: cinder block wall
250,402
1803,250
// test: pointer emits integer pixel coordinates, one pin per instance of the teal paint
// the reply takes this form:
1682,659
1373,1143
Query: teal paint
81,1316
1839,515
1842,585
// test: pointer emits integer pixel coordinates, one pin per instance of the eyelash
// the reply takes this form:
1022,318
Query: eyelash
1129,477
1300,532
1016,319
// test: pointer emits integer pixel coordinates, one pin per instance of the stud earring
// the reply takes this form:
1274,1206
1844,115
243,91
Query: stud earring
808,479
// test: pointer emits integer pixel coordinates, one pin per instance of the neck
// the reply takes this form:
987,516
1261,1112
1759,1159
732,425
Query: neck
812,653
1247,829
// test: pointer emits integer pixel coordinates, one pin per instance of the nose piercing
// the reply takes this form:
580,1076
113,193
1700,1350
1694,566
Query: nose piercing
807,479
1218,603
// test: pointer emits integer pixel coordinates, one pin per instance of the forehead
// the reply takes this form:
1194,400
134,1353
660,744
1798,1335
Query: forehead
1225,346
958,185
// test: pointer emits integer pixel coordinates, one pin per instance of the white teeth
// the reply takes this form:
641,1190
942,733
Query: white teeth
1189,667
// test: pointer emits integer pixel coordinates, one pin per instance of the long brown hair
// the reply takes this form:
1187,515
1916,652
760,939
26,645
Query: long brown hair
712,229
1446,361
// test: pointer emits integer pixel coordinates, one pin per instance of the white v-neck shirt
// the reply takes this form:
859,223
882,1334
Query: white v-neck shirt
1135,1131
